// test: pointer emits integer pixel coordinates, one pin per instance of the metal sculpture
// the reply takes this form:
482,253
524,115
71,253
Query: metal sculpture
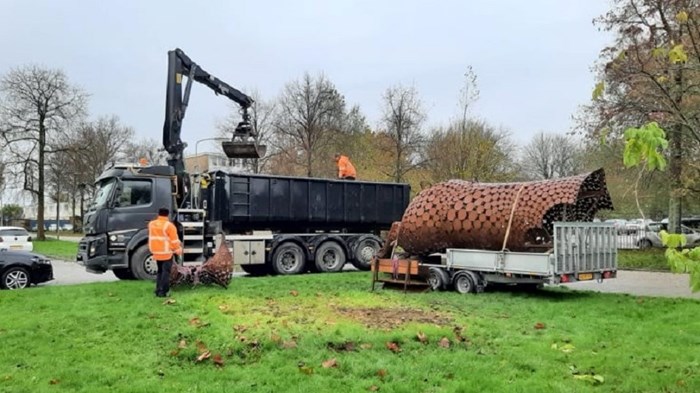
496,216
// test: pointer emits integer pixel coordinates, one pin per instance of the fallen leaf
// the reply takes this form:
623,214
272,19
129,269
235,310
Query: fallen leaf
304,368
567,348
275,338
174,352
594,379
169,301
444,342
201,348
393,347
346,346
223,307
182,344
366,346
294,292
240,328
218,360
422,337
196,321
373,388
203,356
330,363
289,344
381,373
539,326
54,381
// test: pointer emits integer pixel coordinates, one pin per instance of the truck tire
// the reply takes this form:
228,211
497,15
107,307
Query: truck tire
438,279
288,259
123,273
330,257
365,250
255,270
143,266
463,283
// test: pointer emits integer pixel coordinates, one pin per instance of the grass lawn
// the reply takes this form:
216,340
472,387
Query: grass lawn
59,249
327,332
651,259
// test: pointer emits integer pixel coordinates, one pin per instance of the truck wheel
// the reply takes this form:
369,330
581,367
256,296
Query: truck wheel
123,273
288,259
463,283
330,257
143,266
255,270
438,279
364,252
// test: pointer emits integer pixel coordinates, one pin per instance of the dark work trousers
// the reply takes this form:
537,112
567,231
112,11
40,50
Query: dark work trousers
348,178
163,277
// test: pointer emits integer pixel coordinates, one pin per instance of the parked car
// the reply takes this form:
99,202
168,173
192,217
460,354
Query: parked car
15,238
619,225
652,238
20,269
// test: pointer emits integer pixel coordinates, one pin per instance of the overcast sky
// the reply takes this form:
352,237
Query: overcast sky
532,58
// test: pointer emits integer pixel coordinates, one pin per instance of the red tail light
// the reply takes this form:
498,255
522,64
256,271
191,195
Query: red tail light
564,278
607,274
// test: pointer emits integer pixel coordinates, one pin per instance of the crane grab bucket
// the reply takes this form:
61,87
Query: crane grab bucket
242,149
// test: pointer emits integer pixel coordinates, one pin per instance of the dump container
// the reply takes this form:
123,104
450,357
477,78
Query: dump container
295,204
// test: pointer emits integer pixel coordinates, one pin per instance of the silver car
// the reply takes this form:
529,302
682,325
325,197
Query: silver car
650,236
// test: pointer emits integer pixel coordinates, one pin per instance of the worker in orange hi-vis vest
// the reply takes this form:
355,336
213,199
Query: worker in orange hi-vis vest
346,170
163,243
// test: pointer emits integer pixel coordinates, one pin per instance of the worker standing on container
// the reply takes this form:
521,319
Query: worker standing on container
346,170
163,243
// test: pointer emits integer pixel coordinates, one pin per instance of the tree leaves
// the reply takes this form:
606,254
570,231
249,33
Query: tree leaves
682,17
598,90
645,145
677,55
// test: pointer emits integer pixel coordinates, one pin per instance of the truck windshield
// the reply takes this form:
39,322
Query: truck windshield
104,190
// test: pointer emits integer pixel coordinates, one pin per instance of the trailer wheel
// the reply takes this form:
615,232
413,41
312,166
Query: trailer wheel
123,273
288,259
143,266
330,257
255,270
438,279
463,283
364,252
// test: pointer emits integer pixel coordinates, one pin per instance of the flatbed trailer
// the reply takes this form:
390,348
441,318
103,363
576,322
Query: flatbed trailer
581,251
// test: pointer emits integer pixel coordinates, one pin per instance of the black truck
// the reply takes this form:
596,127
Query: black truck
272,224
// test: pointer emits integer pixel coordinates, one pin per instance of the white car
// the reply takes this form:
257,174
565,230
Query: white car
16,239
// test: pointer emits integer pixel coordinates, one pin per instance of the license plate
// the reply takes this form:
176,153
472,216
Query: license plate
585,276
15,247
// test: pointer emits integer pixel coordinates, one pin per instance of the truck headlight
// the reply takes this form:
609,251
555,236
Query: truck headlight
92,249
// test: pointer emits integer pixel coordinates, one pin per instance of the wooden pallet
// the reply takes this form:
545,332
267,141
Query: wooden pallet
396,272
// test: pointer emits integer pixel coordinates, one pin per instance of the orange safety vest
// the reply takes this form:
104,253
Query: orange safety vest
345,168
162,239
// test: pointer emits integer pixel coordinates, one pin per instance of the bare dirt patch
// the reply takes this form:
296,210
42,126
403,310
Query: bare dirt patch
389,318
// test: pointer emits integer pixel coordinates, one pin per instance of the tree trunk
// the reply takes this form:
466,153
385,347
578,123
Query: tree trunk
58,212
40,207
675,172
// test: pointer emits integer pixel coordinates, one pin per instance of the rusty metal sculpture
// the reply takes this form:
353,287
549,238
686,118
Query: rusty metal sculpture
498,216
216,270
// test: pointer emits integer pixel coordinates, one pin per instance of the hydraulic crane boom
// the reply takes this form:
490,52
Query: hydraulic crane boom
179,66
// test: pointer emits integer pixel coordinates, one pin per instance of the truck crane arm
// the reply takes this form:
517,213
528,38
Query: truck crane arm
179,65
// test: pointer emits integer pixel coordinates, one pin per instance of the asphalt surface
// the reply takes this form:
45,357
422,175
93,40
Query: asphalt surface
630,282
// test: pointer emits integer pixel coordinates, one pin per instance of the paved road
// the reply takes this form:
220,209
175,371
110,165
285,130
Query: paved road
643,284
632,282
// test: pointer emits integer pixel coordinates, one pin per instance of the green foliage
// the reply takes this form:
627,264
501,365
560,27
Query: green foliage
677,55
12,212
645,145
273,334
598,90
684,260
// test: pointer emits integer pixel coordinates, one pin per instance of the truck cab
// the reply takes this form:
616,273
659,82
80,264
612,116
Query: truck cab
127,197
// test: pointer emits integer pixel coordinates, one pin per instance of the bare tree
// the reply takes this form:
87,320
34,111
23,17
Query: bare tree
38,106
550,156
262,119
473,150
148,149
402,118
310,111
469,93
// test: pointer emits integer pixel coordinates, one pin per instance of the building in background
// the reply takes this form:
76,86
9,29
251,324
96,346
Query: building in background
209,162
